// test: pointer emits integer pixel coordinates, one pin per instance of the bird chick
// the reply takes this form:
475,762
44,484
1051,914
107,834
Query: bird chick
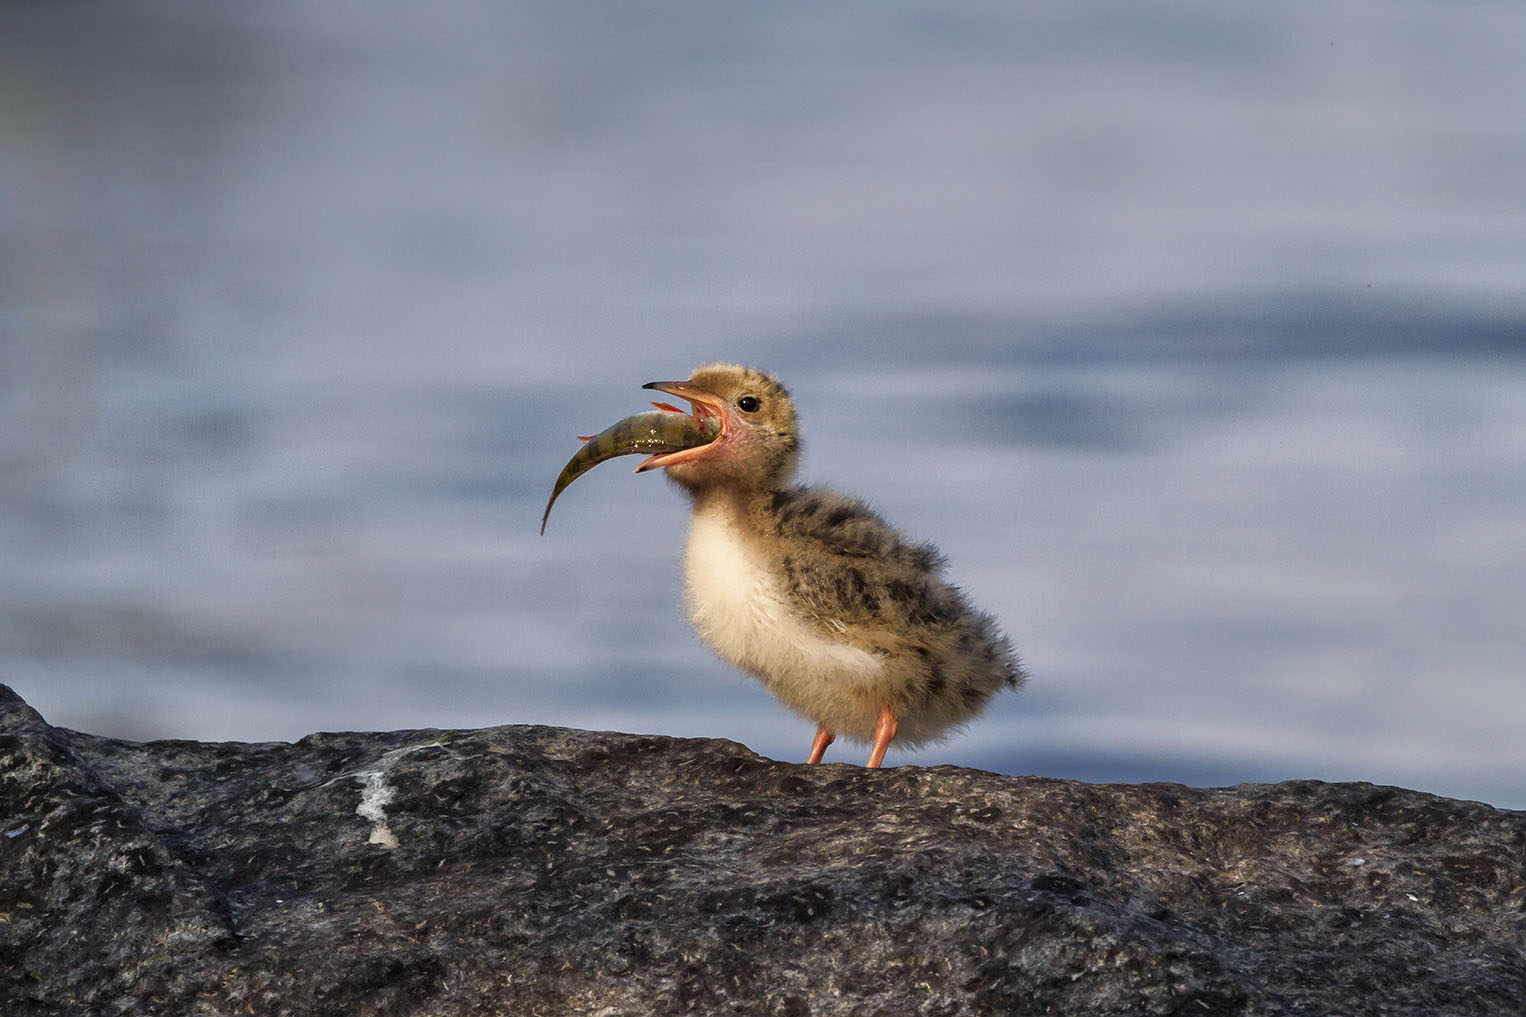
841,617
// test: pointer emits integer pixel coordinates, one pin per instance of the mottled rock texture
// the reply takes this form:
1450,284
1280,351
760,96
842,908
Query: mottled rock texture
532,870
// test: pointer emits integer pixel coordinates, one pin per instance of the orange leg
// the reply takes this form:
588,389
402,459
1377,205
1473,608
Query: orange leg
884,734
820,742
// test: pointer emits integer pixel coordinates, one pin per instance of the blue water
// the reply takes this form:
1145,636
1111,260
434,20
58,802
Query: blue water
1194,335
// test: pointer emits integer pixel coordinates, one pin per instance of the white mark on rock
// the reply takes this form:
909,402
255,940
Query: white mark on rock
376,795
374,798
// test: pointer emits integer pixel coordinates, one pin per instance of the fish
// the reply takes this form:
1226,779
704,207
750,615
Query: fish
657,432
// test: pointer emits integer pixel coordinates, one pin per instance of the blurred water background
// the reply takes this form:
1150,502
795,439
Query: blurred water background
1194,334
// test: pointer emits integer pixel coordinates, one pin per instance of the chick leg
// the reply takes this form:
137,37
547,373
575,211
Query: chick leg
884,734
820,742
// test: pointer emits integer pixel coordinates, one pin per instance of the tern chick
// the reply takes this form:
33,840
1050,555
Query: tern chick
846,621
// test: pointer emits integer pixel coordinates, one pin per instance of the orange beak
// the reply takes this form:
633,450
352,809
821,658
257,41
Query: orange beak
706,406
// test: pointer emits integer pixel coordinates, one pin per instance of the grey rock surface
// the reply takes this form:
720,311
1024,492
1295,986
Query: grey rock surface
541,871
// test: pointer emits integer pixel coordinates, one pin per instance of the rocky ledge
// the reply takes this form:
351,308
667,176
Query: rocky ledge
534,870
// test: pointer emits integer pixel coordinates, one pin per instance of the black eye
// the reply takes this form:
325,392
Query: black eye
748,404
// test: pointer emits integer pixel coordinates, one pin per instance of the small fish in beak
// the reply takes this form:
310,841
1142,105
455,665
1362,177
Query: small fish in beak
658,433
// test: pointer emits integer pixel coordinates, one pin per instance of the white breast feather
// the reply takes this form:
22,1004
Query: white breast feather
741,609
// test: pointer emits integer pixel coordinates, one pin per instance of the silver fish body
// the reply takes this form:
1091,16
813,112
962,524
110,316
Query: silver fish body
654,433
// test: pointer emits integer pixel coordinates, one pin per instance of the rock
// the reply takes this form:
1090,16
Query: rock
543,871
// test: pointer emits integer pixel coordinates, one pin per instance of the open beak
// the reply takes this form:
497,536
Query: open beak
707,406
